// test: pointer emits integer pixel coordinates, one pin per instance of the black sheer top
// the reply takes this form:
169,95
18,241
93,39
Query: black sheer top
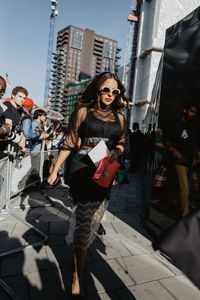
89,125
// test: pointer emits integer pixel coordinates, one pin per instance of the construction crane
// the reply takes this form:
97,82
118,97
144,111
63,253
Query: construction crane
54,13
129,43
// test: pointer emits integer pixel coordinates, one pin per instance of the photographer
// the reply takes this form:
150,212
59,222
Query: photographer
60,136
53,131
26,123
4,128
39,118
23,159
2,87
12,118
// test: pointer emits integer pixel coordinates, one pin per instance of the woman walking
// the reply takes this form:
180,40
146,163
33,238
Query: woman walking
96,117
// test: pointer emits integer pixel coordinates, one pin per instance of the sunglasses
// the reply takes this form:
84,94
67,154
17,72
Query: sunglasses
2,91
107,89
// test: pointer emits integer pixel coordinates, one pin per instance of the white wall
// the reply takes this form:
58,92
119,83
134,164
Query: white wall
156,16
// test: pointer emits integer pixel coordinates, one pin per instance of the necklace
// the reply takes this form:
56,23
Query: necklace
101,113
104,110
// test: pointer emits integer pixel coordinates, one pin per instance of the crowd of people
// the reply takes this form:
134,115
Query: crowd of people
25,126
177,152
171,153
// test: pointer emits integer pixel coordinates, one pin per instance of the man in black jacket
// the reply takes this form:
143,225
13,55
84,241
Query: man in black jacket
12,117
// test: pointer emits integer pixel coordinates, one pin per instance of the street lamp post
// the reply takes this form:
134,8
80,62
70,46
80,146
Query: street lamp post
54,13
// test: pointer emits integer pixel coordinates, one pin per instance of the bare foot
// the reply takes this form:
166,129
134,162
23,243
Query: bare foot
75,285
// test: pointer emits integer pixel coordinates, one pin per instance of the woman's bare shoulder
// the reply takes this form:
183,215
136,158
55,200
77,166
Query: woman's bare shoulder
82,111
121,116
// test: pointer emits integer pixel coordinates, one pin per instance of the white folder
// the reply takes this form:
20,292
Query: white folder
98,152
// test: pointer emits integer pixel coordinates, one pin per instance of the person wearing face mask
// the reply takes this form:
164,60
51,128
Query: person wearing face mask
96,117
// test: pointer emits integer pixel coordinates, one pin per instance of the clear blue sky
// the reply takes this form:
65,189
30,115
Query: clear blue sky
25,30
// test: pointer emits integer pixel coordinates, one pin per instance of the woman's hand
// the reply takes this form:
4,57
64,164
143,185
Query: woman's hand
52,178
113,156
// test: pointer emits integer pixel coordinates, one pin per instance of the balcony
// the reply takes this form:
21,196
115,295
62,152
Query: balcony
98,46
97,53
98,42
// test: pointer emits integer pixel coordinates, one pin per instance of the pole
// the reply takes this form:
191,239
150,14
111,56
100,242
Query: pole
54,13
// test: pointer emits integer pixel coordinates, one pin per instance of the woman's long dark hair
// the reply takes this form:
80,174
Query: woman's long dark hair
90,95
89,98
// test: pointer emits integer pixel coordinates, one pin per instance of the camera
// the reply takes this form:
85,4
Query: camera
15,136
20,154
38,130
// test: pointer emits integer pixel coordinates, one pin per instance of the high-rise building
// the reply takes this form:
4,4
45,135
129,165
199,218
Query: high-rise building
81,54
74,92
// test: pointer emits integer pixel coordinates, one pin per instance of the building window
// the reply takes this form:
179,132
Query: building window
109,49
76,38
93,66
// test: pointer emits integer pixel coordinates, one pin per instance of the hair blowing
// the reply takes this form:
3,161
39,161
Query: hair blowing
90,95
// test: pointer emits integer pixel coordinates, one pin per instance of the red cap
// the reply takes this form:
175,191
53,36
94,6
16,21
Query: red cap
7,99
28,101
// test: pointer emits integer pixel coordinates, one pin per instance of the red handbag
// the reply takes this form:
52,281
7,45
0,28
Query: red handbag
105,172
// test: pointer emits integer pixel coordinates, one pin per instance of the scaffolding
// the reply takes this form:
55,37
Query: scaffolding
132,18
54,13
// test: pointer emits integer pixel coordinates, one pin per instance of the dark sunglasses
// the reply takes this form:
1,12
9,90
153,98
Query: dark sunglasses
2,91
107,89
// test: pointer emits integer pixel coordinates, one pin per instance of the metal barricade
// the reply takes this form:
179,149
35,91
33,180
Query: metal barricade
16,177
8,290
4,179
26,173
33,169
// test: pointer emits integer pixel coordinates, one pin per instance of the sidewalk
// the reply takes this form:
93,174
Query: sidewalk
120,265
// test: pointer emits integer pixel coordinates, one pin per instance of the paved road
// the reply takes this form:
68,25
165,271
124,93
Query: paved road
120,265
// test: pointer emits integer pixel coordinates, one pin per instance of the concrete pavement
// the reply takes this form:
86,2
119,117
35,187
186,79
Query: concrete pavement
120,265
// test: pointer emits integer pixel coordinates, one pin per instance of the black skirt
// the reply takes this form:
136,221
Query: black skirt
82,187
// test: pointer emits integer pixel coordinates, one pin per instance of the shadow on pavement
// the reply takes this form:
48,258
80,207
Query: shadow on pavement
45,272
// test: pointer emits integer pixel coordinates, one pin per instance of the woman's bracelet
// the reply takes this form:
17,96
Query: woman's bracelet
118,151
